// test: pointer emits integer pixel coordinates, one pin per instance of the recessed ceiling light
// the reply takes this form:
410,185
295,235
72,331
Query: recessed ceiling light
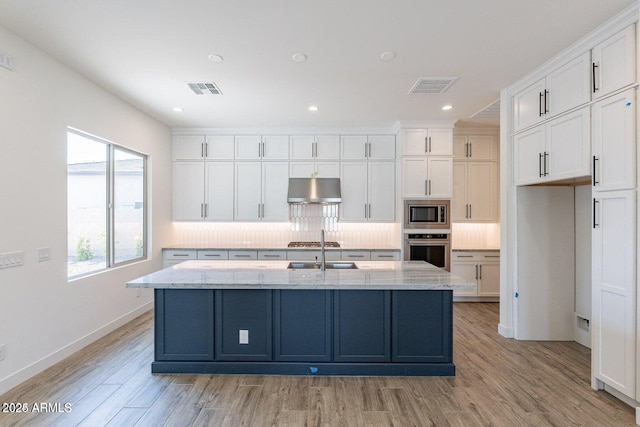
178,109
447,107
214,57
313,108
388,56
299,57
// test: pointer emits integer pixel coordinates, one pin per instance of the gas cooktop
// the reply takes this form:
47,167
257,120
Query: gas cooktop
313,244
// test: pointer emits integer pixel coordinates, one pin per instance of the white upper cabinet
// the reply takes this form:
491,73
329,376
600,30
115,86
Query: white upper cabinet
614,62
261,191
314,169
557,150
475,147
368,191
188,147
427,177
363,147
422,142
219,147
315,147
219,191
188,191
475,192
267,147
614,148
564,88
200,147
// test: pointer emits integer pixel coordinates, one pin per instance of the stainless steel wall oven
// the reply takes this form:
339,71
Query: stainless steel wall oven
433,248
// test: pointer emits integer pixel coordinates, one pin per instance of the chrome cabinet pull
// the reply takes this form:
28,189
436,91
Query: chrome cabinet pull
426,187
201,210
480,272
206,149
476,271
202,149
595,179
546,162
546,101
540,95
429,187
594,68
470,150
429,144
539,165
595,223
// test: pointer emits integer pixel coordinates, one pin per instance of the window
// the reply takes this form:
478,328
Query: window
106,204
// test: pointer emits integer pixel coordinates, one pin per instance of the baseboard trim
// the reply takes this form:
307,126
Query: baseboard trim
505,331
38,366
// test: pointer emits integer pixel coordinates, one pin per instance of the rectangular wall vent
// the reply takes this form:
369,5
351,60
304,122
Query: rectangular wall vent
204,88
491,111
429,85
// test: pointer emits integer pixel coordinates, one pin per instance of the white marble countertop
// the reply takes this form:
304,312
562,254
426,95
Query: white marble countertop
378,275
231,247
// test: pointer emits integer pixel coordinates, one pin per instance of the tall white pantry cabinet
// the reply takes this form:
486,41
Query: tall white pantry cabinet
595,144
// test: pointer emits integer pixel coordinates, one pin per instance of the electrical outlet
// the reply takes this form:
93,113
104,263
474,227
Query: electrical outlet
243,336
3,351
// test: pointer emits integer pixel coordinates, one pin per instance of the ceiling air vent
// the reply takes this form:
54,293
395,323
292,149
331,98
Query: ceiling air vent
204,88
427,85
491,111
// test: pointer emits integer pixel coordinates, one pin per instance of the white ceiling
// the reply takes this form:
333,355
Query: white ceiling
145,51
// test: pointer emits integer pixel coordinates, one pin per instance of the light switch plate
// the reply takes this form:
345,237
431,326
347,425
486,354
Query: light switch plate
44,254
11,259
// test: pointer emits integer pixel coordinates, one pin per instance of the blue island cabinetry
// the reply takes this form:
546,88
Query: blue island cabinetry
304,331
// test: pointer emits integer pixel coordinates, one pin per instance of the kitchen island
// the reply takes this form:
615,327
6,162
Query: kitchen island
260,317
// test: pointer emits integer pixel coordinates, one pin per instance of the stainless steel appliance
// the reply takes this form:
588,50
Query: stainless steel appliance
433,248
314,190
427,214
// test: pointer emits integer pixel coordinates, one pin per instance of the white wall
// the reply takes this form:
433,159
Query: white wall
43,317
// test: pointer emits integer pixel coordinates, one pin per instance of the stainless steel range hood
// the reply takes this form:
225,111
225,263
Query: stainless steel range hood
314,190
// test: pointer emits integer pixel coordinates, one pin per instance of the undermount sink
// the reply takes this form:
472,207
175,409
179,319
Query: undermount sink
327,265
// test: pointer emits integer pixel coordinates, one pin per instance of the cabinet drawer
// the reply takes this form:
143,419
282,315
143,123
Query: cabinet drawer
240,255
356,255
275,255
464,256
385,255
180,254
305,255
213,254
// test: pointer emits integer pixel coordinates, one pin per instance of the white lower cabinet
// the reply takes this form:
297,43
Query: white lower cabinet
176,256
479,267
313,255
614,290
355,255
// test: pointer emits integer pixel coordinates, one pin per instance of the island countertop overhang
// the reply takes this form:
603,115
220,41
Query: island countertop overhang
370,275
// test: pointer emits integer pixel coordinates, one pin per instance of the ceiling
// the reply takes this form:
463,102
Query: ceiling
146,51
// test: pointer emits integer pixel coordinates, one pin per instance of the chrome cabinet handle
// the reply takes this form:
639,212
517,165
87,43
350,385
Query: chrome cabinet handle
202,149
594,68
206,149
201,210
480,272
476,271
595,179
470,211
595,223
426,144
539,165
426,187
470,150
546,162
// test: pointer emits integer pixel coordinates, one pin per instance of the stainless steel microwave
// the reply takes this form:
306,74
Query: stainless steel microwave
427,214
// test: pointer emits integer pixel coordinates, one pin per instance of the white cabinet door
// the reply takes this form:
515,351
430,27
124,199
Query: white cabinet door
381,147
248,184
320,169
488,279
528,149
302,147
614,289
614,147
466,270
353,180
275,147
439,185
414,177
569,146
219,147
275,185
528,108
353,147
440,142
614,62
188,191
482,191
381,178
248,147
459,203
569,85
188,147
219,191
415,142
327,147
460,148
483,147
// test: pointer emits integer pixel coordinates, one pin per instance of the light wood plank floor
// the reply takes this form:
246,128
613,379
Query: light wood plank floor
499,382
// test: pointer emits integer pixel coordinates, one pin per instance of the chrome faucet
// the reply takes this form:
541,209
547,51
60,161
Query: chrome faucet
322,265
